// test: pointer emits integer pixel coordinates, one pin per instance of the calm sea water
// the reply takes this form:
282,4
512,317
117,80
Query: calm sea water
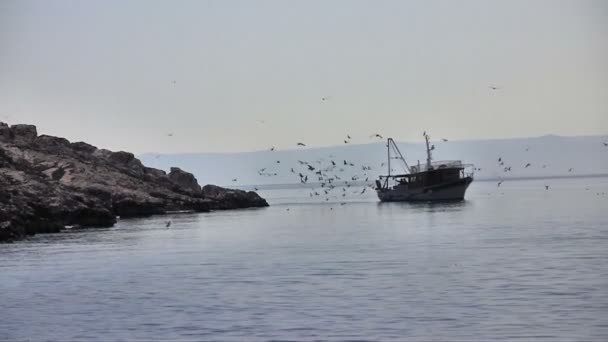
509,263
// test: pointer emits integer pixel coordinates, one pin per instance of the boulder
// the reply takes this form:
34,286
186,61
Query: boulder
5,132
184,180
232,198
24,133
80,146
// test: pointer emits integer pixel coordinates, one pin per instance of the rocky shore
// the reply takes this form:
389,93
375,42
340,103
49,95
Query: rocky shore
47,183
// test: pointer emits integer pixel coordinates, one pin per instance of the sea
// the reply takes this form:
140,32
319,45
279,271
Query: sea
515,262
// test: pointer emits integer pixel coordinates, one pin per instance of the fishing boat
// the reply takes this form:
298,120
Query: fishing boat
432,181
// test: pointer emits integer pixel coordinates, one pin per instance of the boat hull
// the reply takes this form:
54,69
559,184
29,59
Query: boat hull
453,191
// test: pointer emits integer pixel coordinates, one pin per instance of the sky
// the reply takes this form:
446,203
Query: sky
228,76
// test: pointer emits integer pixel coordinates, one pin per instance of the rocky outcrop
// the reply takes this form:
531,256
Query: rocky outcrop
231,198
184,180
47,183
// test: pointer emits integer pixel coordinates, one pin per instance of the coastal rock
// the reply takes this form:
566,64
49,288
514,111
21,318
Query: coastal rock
24,133
185,180
47,183
232,198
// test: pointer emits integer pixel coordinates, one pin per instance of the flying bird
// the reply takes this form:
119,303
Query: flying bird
169,134
272,149
527,165
348,137
494,87
346,141
234,179
301,144
378,136
444,139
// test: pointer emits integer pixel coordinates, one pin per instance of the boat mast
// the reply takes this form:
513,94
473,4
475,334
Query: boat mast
428,152
388,155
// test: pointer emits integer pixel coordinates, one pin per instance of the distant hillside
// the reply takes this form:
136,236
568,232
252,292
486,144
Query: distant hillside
548,156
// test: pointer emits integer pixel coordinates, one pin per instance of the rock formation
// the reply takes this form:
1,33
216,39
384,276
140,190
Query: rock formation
47,183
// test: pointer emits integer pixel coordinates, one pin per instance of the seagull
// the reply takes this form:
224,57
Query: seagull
234,179
333,163
168,224
301,144
348,136
346,141
527,165
378,136
363,191
311,168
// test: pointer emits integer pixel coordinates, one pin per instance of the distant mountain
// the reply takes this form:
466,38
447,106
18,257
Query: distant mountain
547,155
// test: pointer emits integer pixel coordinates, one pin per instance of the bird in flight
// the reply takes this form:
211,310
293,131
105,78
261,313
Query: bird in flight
167,224
494,87
346,141
272,149
301,144
444,139
170,134
234,179
528,165
376,135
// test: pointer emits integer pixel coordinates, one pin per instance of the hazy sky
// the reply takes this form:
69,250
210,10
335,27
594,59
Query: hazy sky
124,74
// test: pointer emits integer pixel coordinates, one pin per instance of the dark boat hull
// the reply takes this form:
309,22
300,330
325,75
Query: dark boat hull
451,191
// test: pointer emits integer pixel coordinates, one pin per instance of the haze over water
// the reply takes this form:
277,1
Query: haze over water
509,263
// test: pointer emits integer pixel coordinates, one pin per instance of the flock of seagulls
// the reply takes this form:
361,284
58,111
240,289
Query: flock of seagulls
329,173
